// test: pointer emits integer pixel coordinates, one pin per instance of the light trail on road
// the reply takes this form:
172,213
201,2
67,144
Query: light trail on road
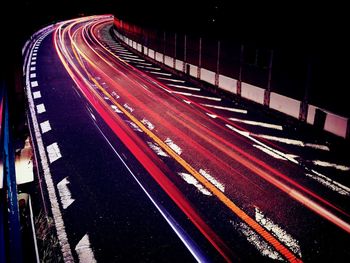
186,147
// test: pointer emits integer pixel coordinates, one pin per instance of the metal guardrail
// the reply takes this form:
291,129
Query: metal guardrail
10,232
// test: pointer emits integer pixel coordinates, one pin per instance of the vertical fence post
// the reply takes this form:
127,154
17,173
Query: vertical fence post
217,66
15,247
304,104
175,37
268,88
239,81
185,58
164,45
199,59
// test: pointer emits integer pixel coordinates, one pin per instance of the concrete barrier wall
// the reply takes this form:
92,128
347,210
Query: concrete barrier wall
208,76
336,124
169,61
285,104
253,93
228,84
179,65
193,70
159,57
151,53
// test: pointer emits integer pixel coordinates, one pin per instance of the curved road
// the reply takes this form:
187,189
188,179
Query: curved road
142,166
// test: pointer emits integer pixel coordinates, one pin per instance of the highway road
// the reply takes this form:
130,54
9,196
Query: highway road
140,165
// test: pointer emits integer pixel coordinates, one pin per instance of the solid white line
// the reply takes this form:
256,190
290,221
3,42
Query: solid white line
53,152
186,240
183,87
56,212
45,127
34,84
226,108
257,123
33,229
36,94
40,108
172,80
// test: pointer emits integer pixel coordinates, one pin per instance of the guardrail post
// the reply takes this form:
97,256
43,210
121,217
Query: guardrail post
175,37
185,58
304,104
199,59
239,81
268,88
217,66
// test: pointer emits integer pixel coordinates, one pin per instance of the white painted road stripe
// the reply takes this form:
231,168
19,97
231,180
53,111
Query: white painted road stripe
66,196
36,94
184,87
257,123
196,96
40,108
159,73
191,180
143,63
173,146
32,68
45,126
211,179
53,152
33,63
84,251
292,142
33,75
333,165
226,108
257,241
34,84
157,149
278,232
172,80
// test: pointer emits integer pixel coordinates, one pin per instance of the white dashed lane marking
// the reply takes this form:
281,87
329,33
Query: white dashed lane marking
40,108
53,152
45,126
36,95
34,84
